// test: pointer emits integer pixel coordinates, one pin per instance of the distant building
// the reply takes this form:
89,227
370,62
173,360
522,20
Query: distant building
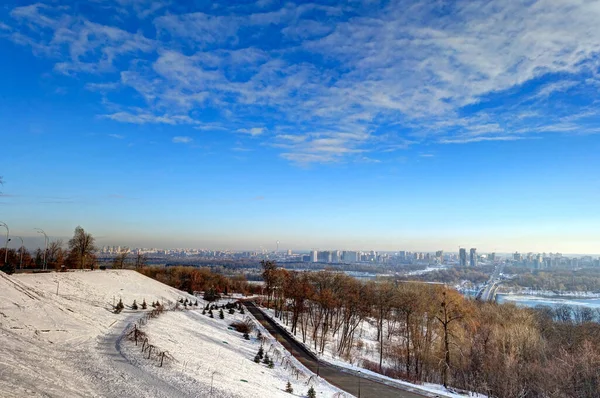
462,254
517,256
473,257
335,256
289,252
492,257
350,257
324,257
313,256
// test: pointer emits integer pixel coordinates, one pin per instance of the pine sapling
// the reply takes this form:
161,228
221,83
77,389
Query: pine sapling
134,306
311,393
256,358
261,352
266,359
221,315
144,305
271,364
288,388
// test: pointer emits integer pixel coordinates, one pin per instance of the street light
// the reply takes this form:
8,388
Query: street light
41,231
21,250
3,224
359,384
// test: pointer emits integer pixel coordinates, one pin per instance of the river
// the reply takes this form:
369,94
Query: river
534,301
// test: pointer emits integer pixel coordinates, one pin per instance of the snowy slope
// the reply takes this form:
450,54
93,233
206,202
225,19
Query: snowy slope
73,345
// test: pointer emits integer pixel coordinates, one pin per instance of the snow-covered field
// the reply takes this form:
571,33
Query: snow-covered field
367,335
73,345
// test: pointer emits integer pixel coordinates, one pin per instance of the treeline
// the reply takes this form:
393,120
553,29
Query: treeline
456,275
191,279
429,333
79,253
580,280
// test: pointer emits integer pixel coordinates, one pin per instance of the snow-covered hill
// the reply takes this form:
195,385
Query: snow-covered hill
71,344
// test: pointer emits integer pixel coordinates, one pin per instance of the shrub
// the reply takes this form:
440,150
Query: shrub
246,336
210,314
221,315
256,358
144,305
266,359
231,311
311,393
134,306
261,352
246,326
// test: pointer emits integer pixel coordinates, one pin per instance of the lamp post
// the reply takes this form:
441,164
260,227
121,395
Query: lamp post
3,224
41,231
359,384
21,250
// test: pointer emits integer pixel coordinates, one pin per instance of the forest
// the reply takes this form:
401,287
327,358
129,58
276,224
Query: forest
430,333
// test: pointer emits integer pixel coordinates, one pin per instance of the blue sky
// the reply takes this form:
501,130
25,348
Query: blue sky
368,125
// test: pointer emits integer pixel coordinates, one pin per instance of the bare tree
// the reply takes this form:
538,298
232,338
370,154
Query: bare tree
140,260
82,246
121,259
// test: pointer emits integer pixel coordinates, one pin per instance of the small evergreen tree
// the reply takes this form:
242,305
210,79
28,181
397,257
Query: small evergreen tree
153,305
119,307
246,336
134,306
210,314
242,311
257,359
206,307
203,312
311,393
221,315
181,300
288,387
266,359
196,303
144,305
261,352
271,364
231,311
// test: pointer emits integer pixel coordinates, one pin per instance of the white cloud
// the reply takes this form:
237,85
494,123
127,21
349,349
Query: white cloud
182,140
117,136
254,131
341,82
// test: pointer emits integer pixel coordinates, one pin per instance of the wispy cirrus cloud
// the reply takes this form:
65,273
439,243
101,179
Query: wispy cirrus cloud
343,80
182,140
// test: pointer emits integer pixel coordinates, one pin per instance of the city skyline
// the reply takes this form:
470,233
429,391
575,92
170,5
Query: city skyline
366,125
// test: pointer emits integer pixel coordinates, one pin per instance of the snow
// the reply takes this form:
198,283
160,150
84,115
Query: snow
72,344
367,334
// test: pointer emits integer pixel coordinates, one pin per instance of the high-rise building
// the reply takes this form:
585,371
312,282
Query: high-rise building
473,257
313,256
350,257
492,257
324,257
462,254
289,252
335,256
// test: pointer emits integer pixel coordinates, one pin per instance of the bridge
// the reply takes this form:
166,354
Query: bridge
489,290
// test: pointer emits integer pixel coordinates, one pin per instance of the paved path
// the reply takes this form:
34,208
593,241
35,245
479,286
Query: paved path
347,380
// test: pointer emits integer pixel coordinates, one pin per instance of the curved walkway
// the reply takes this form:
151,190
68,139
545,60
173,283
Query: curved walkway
345,379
